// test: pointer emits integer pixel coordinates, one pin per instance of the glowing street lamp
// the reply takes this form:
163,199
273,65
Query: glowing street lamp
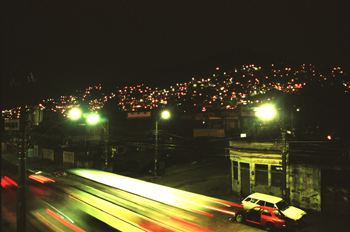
165,115
75,114
93,118
266,112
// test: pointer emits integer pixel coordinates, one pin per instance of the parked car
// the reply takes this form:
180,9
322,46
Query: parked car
260,199
268,217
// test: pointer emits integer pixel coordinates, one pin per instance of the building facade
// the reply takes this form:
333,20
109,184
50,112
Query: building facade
316,185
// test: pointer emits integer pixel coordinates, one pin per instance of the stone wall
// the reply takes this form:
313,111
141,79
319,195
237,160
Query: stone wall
305,186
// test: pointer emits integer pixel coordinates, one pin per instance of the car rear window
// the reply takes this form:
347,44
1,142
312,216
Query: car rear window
266,212
282,205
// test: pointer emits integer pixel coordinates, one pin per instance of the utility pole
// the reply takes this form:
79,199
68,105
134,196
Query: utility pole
36,119
156,151
106,135
284,159
225,134
21,192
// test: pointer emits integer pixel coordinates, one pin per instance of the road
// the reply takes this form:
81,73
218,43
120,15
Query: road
86,205
41,200
210,180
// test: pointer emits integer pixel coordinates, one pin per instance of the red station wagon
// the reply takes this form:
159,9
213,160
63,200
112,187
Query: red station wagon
268,217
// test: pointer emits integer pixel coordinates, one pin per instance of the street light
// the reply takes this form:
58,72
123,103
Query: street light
268,112
165,115
93,118
75,114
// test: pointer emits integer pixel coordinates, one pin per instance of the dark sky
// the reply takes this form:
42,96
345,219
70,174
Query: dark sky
69,44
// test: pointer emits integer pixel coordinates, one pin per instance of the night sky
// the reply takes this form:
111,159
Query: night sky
73,44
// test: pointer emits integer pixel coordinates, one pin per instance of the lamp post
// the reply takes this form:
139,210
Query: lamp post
21,196
93,119
268,112
284,158
165,115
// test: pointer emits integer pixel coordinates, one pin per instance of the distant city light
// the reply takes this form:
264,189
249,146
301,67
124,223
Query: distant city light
133,98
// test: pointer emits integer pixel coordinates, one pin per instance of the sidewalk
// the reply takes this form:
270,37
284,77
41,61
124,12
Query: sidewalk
45,166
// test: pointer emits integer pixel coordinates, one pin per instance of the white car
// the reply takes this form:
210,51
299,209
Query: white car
261,199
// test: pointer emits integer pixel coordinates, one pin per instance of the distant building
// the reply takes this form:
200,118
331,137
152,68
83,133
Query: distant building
132,115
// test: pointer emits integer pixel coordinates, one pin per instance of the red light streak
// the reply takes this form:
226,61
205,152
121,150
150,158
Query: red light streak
7,181
70,225
221,210
191,225
49,223
204,213
11,181
3,182
41,179
229,203
212,208
36,179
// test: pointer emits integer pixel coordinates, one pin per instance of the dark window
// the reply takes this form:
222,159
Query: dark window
262,203
266,212
276,176
282,205
268,204
235,170
120,150
261,174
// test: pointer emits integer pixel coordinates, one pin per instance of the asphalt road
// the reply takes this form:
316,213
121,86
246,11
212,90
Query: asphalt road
206,177
40,198
57,198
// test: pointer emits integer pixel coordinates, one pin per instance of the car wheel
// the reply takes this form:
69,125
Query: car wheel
239,218
270,226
